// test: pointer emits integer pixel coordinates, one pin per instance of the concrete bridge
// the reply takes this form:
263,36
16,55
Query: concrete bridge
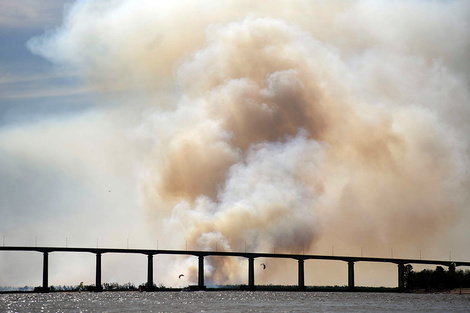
250,256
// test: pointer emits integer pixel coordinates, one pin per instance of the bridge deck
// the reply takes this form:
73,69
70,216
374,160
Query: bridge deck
235,254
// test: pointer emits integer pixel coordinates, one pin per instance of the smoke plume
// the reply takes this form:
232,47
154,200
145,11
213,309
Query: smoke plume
292,127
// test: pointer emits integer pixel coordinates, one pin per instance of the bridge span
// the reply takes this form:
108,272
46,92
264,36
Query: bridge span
250,256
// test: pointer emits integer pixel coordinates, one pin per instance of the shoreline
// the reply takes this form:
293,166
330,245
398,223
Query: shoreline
268,288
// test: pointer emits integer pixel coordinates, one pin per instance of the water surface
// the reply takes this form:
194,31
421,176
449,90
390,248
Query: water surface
234,301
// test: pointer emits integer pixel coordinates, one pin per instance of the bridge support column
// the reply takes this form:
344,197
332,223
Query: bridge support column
98,287
201,273
351,275
401,277
150,272
45,272
251,273
301,275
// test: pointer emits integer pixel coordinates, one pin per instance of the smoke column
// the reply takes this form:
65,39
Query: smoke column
291,127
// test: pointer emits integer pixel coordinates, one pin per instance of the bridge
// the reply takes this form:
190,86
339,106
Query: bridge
250,256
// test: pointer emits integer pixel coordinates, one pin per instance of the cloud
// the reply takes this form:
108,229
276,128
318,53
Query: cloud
48,92
30,13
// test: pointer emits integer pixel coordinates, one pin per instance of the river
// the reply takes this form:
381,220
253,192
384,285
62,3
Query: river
234,301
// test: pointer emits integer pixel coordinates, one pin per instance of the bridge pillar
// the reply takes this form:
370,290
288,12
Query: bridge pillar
45,272
401,277
251,273
150,272
301,275
98,288
201,273
351,275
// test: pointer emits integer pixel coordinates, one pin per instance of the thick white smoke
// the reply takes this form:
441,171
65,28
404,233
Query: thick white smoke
294,127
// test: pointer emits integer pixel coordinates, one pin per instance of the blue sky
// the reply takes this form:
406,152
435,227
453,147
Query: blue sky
56,172
31,87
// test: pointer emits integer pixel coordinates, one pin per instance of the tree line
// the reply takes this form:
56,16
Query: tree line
105,286
438,279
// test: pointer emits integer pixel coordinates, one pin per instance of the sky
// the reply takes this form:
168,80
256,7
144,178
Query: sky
326,127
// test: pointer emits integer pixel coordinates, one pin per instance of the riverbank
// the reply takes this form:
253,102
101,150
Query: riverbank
463,291
276,288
